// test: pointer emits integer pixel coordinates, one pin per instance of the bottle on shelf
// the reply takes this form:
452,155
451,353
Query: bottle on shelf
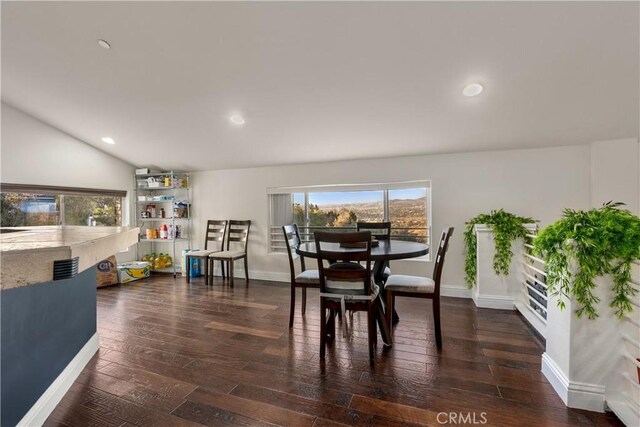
168,261
164,232
162,214
160,262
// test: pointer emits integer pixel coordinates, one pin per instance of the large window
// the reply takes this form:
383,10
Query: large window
406,205
41,205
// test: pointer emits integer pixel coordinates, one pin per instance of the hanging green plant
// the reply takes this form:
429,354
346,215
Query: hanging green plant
507,227
584,245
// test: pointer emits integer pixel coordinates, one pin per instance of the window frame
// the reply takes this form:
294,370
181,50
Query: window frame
384,187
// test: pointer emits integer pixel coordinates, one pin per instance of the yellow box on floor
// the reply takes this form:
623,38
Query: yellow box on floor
131,271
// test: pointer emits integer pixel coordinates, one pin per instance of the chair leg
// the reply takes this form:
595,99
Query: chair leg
389,311
304,300
323,329
436,321
331,325
222,269
374,312
371,327
230,272
188,262
206,270
246,270
292,308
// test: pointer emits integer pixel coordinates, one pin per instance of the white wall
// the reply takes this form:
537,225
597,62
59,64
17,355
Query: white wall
33,152
537,183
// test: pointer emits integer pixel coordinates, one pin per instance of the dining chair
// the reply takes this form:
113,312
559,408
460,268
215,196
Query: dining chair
420,287
215,232
238,234
306,278
381,231
345,285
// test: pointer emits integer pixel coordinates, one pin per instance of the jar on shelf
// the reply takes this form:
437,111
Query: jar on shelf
168,261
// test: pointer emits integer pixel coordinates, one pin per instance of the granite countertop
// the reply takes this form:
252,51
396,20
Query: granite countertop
28,253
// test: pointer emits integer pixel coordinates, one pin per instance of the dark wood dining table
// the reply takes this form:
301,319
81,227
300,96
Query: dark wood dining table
387,250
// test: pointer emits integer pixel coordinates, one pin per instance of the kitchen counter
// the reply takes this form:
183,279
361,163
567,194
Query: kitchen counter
27,253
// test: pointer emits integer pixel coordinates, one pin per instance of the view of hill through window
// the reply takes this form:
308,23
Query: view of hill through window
407,210
26,209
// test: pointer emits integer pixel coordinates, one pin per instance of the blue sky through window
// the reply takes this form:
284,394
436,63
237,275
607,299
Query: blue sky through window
408,193
343,197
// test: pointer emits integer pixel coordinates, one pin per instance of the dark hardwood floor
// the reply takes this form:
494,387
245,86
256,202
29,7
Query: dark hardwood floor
173,354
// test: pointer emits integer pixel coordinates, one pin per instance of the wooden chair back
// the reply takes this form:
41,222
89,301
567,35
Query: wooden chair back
238,233
443,246
380,230
347,271
292,240
216,230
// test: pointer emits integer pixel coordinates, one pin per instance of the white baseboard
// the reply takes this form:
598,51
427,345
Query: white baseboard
627,411
497,302
556,377
455,291
574,394
269,276
44,406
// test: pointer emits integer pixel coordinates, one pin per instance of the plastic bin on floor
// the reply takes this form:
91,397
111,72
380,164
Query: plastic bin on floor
131,271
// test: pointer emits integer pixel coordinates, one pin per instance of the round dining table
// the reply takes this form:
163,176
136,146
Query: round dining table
385,251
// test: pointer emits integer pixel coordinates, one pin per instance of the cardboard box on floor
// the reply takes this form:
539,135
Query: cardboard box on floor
106,272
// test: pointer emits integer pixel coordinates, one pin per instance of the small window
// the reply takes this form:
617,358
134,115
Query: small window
405,205
35,206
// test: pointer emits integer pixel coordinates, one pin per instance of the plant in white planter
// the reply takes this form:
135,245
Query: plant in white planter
506,227
584,245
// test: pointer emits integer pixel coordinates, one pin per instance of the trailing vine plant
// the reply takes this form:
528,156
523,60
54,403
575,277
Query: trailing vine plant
507,227
584,245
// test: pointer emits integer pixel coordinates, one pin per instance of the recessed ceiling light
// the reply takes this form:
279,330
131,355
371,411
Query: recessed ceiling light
108,140
103,43
237,119
473,89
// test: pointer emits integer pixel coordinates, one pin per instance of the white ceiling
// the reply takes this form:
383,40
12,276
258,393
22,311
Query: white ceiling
322,81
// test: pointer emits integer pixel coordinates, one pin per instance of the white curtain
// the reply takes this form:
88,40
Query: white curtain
281,209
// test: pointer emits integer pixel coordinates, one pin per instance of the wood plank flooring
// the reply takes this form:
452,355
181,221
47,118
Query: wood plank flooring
178,354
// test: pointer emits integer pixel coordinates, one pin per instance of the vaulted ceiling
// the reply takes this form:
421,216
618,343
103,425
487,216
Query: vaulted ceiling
320,81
